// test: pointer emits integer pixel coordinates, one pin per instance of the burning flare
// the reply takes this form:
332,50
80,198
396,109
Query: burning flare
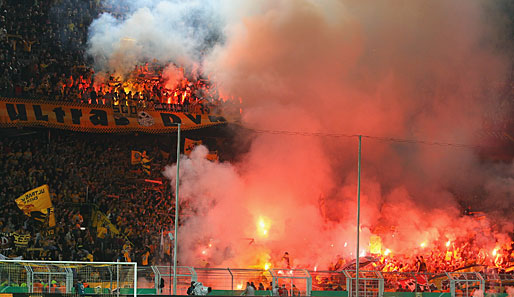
263,225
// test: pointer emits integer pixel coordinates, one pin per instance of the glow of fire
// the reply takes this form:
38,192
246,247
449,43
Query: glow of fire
495,251
448,243
345,244
263,227
387,252
423,244
204,252
267,266
363,253
239,286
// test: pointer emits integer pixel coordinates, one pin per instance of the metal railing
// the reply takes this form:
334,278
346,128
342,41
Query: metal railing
59,277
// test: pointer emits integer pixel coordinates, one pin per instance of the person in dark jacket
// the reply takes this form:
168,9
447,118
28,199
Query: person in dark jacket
190,290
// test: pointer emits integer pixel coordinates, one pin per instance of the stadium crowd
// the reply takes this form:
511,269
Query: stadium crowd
86,174
43,56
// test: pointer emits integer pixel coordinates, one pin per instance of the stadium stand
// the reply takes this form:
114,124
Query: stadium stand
43,56
88,175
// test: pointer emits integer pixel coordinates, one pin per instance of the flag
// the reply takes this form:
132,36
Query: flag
101,222
145,163
212,156
165,155
36,203
135,157
189,145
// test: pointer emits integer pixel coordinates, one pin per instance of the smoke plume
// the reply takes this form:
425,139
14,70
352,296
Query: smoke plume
426,70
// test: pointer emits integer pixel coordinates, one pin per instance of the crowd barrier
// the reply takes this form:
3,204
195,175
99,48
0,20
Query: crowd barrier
45,277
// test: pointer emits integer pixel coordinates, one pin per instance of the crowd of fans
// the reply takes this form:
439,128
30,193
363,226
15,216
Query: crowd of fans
85,173
43,56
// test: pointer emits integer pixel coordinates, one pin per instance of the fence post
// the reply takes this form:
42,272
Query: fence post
231,280
135,279
118,278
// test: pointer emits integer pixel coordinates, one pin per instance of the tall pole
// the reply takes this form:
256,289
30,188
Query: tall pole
176,216
358,217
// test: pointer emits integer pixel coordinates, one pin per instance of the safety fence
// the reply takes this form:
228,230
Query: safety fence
121,278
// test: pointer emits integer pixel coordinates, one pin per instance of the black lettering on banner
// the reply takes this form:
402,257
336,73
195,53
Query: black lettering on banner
38,112
195,119
98,117
216,119
133,110
59,114
18,113
121,121
124,109
76,114
116,108
167,119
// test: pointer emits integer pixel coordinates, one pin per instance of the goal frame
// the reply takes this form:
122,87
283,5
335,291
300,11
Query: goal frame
30,273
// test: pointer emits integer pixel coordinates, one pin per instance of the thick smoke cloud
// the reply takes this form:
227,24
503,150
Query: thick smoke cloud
136,32
406,69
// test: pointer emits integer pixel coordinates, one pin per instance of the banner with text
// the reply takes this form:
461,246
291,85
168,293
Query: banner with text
36,203
96,118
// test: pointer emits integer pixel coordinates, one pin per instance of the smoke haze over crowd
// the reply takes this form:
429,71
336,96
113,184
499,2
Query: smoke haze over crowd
427,70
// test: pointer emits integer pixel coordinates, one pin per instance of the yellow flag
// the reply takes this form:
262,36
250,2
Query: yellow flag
189,145
135,157
212,156
36,203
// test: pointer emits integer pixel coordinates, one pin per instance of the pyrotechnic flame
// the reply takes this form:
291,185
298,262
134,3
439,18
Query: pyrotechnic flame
387,252
345,244
267,266
263,225
448,243
495,251
239,286
423,244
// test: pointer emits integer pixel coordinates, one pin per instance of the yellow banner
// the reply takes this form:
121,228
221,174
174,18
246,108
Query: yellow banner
97,118
36,203
21,240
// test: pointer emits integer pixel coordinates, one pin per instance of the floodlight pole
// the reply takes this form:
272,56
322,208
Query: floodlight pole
358,217
176,216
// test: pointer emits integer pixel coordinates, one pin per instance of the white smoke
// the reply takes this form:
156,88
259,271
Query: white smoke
145,31
510,291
